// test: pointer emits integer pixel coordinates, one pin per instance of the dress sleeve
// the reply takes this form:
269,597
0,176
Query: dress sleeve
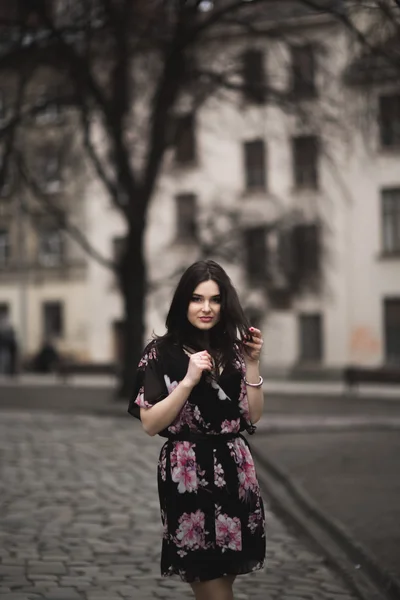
150,386
246,423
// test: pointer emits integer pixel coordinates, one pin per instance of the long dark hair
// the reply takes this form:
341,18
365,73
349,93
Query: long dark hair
232,327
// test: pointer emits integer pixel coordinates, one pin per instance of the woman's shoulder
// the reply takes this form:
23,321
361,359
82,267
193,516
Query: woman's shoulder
149,354
160,347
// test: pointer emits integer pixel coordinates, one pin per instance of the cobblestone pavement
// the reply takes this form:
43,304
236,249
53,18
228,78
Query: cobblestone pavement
79,519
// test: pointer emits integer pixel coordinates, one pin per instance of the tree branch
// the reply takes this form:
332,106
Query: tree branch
110,185
221,80
360,36
85,81
164,99
76,64
217,15
12,131
20,117
59,215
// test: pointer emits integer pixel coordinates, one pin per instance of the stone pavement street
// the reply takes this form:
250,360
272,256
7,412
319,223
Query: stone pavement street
79,519
353,475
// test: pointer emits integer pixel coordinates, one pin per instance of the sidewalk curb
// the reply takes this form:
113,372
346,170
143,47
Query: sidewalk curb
357,566
279,389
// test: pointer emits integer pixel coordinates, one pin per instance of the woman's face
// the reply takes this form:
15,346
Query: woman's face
204,309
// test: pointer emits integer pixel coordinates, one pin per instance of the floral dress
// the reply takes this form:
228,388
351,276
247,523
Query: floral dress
211,508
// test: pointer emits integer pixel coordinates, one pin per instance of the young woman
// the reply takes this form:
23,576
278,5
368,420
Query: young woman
199,386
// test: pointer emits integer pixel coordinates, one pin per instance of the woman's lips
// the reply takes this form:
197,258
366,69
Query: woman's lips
206,319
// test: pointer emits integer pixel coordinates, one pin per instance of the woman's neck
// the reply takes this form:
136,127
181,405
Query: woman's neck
199,339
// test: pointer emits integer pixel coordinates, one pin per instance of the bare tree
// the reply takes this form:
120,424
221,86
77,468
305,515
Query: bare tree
374,27
127,64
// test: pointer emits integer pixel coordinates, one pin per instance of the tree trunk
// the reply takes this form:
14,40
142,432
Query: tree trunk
133,287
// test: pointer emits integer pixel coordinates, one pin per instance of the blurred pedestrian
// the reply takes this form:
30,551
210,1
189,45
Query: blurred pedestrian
8,348
47,359
199,386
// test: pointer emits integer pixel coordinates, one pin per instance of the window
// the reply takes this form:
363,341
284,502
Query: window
254,76
255,244
310,327
4,311
5,247
306,249
185,141
305,161
186,222
51,247
392,329
300,251
53,320
49,170
391,221
254,164
389,120
303,70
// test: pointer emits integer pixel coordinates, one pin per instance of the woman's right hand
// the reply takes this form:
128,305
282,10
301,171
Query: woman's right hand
199,362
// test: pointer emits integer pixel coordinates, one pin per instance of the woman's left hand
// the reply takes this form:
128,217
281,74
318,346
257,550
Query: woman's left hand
253,348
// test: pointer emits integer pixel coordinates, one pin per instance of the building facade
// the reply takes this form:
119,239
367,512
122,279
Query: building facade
43,269
293,185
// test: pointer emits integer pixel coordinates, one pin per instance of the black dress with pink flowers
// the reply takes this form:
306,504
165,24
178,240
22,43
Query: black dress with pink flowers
211,507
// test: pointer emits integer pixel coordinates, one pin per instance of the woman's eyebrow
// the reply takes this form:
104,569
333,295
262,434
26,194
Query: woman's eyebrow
200,296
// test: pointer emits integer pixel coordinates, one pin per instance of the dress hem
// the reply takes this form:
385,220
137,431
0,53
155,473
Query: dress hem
236,572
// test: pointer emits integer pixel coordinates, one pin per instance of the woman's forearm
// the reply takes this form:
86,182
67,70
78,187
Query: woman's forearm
162,414
255,396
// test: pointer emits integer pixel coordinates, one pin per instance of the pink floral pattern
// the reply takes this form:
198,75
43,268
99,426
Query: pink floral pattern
191,532
228,532
171,385
211,508
162,464
256,520
147,357
189,416
219,475
140,401
230,426
246,471
183,465
243,401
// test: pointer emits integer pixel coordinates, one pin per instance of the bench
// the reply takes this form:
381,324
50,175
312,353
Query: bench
382,375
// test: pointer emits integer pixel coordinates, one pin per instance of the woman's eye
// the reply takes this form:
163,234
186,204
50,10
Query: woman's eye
217,300
195,299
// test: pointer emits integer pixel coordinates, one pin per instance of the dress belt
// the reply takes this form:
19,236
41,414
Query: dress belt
217,438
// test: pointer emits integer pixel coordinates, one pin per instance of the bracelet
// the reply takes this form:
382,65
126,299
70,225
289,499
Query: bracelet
259,384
